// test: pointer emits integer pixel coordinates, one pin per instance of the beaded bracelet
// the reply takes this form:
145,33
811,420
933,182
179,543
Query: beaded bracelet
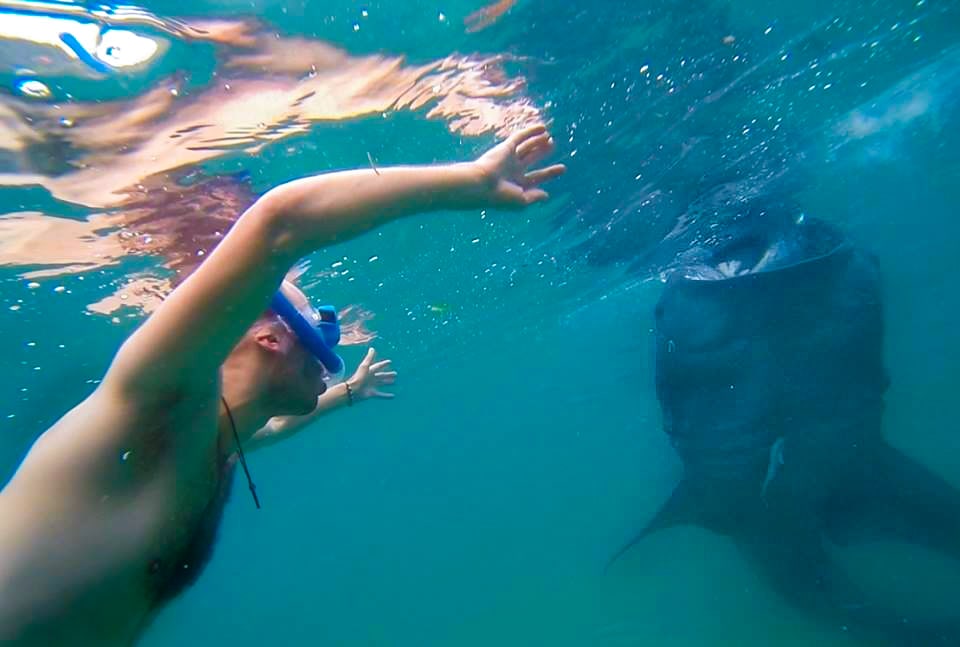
349,394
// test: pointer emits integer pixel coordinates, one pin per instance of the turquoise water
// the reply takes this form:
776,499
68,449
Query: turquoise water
524,447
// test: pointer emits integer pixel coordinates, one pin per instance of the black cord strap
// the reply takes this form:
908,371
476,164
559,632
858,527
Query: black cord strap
243,459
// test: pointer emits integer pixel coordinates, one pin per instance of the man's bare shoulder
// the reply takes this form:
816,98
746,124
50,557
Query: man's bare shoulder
112,441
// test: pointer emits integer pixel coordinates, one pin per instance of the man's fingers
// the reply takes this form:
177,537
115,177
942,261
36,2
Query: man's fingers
532,196
542,175
379,366
368,359
534,144
383,394
511,195
521,136
536,154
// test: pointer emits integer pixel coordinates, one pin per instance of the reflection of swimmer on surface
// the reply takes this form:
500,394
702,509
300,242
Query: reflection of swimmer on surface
160,216
265,89
136,157
486,16
178,225
177,222
115,508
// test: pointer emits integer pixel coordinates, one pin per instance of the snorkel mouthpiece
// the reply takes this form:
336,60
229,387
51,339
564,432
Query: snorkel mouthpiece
318,330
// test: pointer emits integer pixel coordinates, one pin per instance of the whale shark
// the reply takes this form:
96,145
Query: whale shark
771,380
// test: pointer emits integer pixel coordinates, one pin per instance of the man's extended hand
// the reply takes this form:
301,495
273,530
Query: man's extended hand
508,180
370,376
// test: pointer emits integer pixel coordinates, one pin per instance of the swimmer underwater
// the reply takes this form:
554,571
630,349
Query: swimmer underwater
115,508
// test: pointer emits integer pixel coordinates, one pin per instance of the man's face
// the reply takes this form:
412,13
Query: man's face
301,377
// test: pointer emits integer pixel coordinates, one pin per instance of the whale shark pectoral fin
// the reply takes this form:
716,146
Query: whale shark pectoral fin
893,495
678,510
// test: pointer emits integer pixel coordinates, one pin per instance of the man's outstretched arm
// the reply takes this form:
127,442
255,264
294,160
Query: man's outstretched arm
367,382
183,343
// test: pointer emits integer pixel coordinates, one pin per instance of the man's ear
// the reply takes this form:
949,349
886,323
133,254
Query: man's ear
268,339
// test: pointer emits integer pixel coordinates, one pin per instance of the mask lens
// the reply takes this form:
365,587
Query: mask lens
327,315
317,328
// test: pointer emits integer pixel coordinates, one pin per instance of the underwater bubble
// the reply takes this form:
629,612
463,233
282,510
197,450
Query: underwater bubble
34,89
33,285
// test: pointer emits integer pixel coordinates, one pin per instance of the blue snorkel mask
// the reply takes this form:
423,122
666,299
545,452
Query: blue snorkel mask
318,329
